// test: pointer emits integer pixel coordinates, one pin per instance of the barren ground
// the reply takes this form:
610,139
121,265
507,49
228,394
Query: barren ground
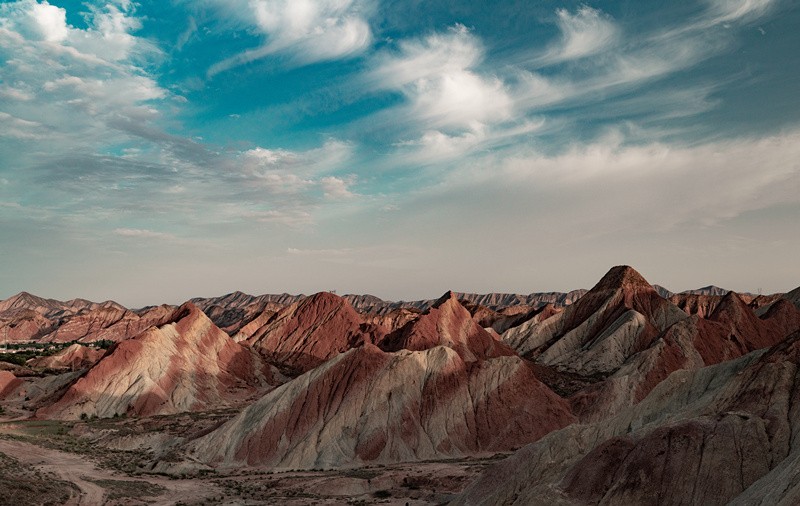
47,462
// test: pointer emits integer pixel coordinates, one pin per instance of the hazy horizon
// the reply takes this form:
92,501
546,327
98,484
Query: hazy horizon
180,300
155,152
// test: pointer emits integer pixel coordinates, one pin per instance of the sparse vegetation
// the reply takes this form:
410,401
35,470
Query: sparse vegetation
103,344
125,489
23,484
20,353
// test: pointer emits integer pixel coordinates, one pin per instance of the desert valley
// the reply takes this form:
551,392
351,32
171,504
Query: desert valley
623,394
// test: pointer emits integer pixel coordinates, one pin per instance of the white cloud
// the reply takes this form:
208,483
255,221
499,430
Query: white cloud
336,188
139,233
452,106
438,76
19,128
287,217
620,62
726,11
49,21
79,83
282,172
308,30
584,33
435,146
16,94
652,187
263,157
328,252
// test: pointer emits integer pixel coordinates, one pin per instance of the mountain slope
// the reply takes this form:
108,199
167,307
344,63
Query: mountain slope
74,357
186,365
620,316
367,405
309,332
447,323
707,436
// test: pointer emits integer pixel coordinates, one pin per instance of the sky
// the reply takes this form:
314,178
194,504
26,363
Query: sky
155,151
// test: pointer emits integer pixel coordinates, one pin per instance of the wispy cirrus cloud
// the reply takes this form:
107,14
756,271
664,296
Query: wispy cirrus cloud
725,11
306,31
585,32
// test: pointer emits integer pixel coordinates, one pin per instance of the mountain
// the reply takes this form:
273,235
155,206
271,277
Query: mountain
447,323
620,316
722,434
368,405
188,364
25,300
131,324
73,358
503,319
495,301
51,307
26,317
309,332
763,304
707,290
694,304
87,322
663,291
21,324
233,311
731,331
620,340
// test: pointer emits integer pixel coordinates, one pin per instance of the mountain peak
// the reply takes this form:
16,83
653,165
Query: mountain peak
448,296
326,297
622,276
731,308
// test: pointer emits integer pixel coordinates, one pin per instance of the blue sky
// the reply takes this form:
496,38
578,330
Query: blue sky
155,151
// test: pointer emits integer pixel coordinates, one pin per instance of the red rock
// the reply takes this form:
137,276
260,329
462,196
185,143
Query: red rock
73,358
372,406
186,365
447,323
8,382
85,324
307,333
695,304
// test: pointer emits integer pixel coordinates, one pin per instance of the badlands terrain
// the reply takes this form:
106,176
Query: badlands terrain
626,393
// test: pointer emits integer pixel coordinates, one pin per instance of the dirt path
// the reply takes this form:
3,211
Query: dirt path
83,473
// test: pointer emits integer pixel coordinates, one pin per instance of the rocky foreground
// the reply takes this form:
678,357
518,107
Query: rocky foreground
623,394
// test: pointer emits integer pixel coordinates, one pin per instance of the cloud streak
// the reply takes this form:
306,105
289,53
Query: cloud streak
308,31
586,32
